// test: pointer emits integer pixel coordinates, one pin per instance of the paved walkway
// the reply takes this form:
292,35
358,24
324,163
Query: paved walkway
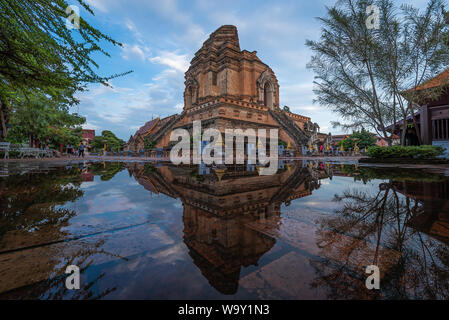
86,158
353,160
324,158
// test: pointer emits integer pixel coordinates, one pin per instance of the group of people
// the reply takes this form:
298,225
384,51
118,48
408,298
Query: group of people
79,152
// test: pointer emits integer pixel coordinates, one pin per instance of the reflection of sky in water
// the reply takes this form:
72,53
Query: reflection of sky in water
322,198
120,202
146,245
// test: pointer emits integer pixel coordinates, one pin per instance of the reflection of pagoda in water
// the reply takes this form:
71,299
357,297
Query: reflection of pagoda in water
219,203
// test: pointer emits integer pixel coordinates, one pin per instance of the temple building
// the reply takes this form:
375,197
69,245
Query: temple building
228,88
432,117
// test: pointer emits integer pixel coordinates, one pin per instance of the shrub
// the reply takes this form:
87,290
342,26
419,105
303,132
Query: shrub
12,154
411,152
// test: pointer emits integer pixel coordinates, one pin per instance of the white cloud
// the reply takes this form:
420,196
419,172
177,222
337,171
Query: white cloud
101,5
130,25
130,51
124,109
91,125
178,62
191,31
115,118
310,108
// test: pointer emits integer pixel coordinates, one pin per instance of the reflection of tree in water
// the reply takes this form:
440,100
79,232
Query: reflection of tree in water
29,202
54,287
380,229
106,170
31,217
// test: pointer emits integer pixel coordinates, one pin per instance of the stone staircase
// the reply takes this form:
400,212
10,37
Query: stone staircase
293,182
292,129
168,187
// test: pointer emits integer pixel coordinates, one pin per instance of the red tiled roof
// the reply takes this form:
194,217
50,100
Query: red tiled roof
340,136
146,127
147,184
441,79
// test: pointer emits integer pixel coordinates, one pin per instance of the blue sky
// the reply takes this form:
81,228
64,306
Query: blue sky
161,37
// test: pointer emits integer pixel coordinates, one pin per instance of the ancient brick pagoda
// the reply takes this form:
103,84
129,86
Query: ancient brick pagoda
228,88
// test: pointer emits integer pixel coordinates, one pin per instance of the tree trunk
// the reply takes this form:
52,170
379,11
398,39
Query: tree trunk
418,131
404,131
3,122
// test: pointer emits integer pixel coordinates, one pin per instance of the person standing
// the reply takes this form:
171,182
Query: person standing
69,149
81,150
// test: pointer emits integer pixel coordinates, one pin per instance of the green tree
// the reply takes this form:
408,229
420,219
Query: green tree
98,143
40,54
41,120
112,142
107,137
364,74
364,139
149,144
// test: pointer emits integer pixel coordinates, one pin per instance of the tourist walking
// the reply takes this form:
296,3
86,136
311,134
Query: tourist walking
69,149
81,150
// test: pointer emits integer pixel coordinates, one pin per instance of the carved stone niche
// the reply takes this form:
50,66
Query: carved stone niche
267,87
191,93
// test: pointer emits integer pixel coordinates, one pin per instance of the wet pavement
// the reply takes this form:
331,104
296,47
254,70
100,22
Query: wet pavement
151,230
